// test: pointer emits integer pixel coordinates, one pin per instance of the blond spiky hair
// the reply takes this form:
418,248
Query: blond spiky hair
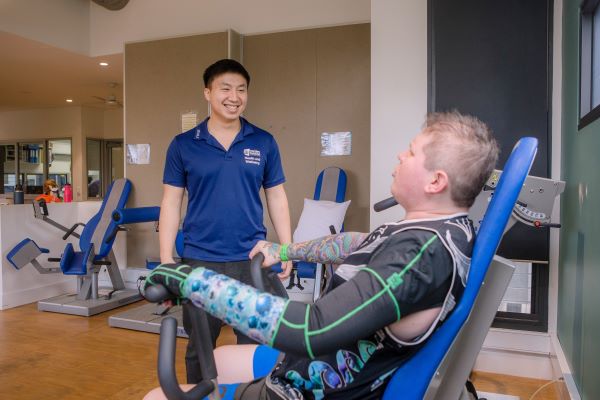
464,148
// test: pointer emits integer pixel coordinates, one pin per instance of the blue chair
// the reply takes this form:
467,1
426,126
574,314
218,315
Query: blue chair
441,367
330,186
95,244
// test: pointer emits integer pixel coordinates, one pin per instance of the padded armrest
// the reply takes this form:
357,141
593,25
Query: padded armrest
24,252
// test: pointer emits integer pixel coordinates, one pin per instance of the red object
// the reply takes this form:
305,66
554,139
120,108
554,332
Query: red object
67,193
48,198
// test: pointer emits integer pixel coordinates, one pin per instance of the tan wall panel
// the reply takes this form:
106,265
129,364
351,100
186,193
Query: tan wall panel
282,100
113,124
307,82
162,79
344,104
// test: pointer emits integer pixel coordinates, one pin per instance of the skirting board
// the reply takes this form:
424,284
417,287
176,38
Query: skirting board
21,297
562,365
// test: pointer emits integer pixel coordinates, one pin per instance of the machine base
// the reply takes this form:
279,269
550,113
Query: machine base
146,319
69,304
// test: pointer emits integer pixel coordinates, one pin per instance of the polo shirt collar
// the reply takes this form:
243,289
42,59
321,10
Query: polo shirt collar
203,134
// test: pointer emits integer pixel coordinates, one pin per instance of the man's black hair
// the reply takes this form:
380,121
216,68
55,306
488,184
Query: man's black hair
222,67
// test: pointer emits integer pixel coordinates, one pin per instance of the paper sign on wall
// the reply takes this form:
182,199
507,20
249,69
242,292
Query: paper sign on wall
138,154
189,120
336,143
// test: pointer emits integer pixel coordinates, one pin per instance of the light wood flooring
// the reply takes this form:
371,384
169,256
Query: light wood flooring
56,356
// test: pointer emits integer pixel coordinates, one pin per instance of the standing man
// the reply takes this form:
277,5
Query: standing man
222,163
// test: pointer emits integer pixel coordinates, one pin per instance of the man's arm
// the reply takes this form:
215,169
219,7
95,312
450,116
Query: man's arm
170,214
279,212
331,249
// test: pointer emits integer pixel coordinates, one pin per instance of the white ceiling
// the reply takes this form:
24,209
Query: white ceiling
38,75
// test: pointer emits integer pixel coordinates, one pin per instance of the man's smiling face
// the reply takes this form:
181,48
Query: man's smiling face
227,96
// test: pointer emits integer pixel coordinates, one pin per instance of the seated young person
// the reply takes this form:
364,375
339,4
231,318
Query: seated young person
393,287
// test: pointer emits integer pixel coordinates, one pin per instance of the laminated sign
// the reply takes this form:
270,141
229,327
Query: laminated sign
138,154
336,143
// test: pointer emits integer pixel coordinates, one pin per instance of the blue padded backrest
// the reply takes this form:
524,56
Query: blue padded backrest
334,179
411,380
101,225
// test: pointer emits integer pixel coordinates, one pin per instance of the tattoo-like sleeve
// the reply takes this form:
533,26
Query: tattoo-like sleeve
328,249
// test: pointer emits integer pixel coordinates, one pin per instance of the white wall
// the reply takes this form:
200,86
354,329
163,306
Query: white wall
60,23
398,89
151,19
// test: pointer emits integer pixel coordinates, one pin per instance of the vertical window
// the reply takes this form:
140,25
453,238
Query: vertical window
59,161
104,165
589,63
31,167
9,168
94,157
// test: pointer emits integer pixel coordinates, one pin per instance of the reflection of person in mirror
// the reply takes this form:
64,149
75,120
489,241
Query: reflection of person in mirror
93,187
51,193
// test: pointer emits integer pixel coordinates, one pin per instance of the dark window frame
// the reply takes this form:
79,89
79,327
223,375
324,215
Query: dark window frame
587,113
537,319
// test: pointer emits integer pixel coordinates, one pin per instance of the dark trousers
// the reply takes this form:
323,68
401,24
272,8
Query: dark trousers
239,270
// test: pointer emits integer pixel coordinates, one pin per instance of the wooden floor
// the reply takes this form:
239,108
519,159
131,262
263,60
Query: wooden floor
55,356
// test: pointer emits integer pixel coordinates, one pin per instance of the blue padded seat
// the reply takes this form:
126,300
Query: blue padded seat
74,262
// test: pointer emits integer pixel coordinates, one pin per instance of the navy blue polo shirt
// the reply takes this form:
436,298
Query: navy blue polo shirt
224,217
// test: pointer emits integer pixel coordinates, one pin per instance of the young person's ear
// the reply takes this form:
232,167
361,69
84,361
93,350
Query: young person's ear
207,93
438,182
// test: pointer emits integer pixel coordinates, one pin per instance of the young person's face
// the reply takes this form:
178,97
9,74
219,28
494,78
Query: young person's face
410,175
227,96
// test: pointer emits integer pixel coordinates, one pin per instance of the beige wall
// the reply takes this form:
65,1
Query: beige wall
163,78
113,123
305,83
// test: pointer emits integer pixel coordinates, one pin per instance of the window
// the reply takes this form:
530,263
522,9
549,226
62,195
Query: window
589,63
525,303
31,163
104,165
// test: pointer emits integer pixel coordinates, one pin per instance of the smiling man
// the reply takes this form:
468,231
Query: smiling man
222,163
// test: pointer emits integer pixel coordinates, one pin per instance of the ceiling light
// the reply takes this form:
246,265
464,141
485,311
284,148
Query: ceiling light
69,100
104,64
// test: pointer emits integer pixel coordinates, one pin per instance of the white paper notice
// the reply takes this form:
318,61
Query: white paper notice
188,120
336,143
138,154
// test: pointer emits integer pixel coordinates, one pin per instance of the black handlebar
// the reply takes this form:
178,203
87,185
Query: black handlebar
256,271
70,231
43,207
166,363
384,204
157,294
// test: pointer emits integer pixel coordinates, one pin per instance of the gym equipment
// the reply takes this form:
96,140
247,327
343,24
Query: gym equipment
308,280
147,317
440,368
95,244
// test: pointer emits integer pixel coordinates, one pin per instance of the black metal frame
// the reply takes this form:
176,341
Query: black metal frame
586,55
537,319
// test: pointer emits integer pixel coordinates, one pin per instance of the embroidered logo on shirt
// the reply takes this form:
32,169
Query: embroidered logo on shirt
252,156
